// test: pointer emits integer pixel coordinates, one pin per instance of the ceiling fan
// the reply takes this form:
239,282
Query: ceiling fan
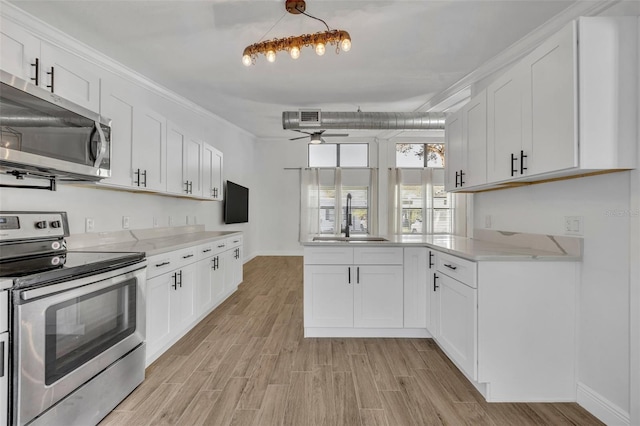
316,137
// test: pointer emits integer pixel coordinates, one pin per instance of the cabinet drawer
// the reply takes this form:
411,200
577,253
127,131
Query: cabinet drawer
378,255
186,256
461,269
233,242
205,250
328,255
4,311
161,263
219,246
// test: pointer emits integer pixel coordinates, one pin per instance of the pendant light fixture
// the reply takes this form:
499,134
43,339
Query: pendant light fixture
294,44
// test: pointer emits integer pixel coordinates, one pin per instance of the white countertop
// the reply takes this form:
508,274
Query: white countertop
468,248
160,245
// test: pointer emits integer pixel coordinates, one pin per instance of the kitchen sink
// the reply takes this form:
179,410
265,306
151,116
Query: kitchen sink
350,239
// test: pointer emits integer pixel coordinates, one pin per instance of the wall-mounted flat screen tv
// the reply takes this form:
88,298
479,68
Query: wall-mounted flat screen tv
236,203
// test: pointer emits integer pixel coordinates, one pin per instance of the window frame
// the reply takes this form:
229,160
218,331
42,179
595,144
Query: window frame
337,154
425,158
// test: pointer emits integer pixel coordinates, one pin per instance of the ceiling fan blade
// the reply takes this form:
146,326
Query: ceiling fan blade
322,140
302,131
333,135
301,137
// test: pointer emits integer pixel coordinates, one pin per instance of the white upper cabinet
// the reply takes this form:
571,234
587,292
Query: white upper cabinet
192,167
19,51
176,149
50,67
466,145
149,150
504,126
550,139
117,105
562,111
211,173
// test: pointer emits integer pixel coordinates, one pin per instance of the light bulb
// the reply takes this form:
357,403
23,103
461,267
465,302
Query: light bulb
246,60
320,49
345,45
295,52
271,56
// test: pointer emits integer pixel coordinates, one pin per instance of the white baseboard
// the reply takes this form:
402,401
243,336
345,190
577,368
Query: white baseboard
366,332
606,411
280,253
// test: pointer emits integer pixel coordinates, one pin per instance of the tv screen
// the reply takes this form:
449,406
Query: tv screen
236,203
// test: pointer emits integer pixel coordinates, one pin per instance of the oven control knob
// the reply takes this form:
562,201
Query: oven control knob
56,224
41,225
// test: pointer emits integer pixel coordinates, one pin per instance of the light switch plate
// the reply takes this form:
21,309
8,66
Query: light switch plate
156,222
574,225
125,222
89,224
487,221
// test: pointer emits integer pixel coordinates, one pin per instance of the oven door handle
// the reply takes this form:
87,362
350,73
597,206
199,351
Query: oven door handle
123,273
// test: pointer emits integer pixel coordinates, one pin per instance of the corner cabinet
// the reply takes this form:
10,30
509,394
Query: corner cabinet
561,111
509,326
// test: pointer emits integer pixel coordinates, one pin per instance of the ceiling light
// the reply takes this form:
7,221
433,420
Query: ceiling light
339,38
316,138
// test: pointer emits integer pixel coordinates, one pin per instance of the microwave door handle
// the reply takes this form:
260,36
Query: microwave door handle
102,146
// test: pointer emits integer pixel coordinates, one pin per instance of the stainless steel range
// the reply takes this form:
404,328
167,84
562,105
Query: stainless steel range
77,323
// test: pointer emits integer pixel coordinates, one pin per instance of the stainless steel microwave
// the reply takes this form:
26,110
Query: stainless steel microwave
43,134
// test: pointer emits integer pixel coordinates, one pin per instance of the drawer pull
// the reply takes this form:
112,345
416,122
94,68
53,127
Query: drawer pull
206,251
187,256
162,264
220,246
236,241
451,267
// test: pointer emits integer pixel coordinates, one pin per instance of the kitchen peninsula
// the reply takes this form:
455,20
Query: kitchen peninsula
501,306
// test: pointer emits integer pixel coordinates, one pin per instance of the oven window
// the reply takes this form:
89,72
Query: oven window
79,329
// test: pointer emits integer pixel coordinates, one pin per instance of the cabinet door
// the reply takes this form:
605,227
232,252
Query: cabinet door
116,105
18,51
4,379
550,104
193,166
207,171
378,296
328,295
229,273
238,266
453,134
186,295
504,126
216,176
149,149
458,323
204,285
160,293
433,302
415,287
218,277
176,148
73,78
475,141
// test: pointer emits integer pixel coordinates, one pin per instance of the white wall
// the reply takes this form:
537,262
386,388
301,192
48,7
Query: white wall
603,319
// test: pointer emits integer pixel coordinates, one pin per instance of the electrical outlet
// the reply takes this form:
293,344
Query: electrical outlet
573,225
125,222
89,224
156,222
487,221
194,221
170,221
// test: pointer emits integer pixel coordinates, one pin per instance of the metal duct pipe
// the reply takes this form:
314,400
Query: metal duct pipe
367,120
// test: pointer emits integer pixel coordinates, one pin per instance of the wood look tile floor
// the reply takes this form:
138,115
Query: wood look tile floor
247,363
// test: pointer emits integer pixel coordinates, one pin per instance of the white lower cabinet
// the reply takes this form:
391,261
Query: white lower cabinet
458,317
366,295
416,291
186,285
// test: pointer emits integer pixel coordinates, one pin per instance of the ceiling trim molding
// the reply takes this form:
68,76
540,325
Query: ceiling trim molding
440,101
54,36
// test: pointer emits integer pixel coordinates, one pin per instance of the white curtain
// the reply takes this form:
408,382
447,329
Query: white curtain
309,202
372,220
426,178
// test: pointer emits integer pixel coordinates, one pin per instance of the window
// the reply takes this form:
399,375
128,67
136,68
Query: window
324,198
421,205
412,155
339,155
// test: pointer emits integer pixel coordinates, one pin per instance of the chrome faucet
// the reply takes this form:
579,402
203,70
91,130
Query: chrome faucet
348,215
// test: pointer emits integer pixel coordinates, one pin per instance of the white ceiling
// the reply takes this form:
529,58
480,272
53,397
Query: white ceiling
404,51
